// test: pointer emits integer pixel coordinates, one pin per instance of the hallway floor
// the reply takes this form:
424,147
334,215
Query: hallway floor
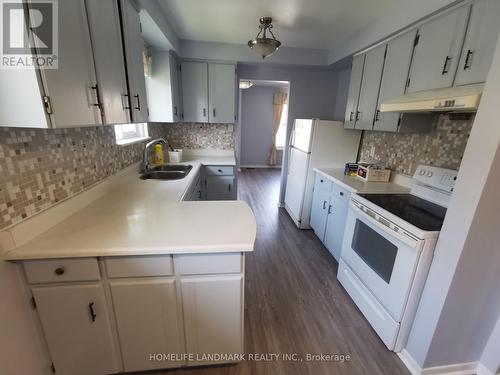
293,301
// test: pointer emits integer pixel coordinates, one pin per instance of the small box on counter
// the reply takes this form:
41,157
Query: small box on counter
351,169
373,173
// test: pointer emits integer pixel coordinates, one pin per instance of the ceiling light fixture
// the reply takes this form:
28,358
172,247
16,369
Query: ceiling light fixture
246,84
263,45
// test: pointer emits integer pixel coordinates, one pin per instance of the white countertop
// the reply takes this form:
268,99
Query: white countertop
144,217
355,185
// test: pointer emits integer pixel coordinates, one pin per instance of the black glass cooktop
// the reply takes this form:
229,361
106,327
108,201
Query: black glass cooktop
417,211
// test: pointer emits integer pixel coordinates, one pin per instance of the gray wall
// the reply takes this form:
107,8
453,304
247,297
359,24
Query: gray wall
460,303
257,124
313,94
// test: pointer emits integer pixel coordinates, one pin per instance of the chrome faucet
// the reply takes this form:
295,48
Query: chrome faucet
145,160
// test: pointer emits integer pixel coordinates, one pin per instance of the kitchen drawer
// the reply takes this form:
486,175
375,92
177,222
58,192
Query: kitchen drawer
219,170
204,264
340,193
139,266
61,270
322,183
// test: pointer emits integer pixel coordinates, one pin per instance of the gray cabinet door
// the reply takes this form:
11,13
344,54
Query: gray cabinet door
195,91
175,88
435,58
134,46
106,35
370,86
319,211
394,77
222,93
353,94
334,234
72,86
480,42
220,188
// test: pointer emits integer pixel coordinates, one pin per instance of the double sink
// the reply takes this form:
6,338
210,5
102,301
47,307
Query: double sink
167,172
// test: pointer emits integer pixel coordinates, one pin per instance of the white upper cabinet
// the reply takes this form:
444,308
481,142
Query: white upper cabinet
195,91
437,53
77,328
221,96
71,90
370,86
134,45
480,42
394,77
353,94
104,21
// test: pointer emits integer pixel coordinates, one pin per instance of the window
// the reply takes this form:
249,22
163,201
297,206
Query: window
281,134
130,133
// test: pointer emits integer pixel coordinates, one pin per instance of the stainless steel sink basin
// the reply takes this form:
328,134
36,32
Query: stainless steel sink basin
167,172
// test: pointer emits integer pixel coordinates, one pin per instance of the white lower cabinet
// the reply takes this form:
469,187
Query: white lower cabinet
220,183
158,311
147,317
213,316
77,328
329,214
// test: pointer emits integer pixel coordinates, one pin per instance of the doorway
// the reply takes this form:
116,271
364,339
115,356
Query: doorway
263,117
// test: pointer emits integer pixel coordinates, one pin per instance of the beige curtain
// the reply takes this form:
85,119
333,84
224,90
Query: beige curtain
279,100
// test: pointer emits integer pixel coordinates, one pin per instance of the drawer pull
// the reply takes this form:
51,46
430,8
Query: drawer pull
92,313
341,194
59,271
219,170
324,205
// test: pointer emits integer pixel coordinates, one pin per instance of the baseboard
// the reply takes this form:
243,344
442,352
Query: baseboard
483,370
261,166
470,368
409,362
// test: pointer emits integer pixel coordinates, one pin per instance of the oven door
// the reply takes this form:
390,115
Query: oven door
384,260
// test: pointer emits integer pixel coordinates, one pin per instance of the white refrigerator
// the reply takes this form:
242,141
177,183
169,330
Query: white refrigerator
313,144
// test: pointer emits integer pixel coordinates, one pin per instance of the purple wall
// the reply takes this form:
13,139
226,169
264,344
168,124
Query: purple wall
257,123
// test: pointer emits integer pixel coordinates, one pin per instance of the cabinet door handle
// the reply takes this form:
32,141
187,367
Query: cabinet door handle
138,107
377,115
204,112
175,110
467,59
92,313
214,112
97,96
330,209
125,102
445,66
357,115
229,187
350,116
324,205
341,194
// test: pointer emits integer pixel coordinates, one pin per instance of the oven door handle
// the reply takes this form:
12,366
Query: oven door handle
412,242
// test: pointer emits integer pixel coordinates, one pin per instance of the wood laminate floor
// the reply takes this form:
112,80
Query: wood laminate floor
293,301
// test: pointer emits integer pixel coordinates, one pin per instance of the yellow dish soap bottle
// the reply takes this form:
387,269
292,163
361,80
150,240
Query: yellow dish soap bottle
159,158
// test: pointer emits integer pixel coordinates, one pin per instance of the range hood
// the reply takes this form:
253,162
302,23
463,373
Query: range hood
456,99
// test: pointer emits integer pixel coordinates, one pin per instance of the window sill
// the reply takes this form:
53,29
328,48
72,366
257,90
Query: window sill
132,141
280,148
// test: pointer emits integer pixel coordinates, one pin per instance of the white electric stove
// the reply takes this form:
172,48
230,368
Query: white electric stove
389,242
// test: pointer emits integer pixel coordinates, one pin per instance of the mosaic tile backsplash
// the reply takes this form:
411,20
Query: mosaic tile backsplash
442,147
196,135
41,167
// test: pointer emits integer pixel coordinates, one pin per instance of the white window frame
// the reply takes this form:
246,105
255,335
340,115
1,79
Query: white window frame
282,127
126,134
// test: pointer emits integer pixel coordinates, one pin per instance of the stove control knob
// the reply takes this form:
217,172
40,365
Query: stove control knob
430,174
422,172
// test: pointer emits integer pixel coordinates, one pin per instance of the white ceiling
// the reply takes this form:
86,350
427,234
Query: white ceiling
318,24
